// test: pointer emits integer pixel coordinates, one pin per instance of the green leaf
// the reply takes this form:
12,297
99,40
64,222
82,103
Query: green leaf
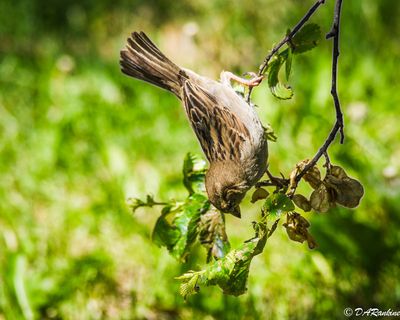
187,222
177,227
165,234
189,283
282,91
273,70
270,133
194,170
278,89
277,204
213,235
306,39
231,272
288,64
135,203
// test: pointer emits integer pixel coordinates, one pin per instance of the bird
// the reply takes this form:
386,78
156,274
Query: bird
227,127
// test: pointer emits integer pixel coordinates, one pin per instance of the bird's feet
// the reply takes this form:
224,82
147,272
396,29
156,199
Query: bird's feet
279,182
227,77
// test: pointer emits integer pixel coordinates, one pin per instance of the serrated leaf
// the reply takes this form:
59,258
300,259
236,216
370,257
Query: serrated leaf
213,235
165,234
194,170
273,70
135,203
278,89
231,272
189,285
282,91
278,204
306,39
270,133
187,222
177,227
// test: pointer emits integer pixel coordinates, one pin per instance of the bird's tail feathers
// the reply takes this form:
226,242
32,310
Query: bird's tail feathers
141,59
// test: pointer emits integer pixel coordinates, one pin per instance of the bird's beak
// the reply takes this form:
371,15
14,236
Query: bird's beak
236,212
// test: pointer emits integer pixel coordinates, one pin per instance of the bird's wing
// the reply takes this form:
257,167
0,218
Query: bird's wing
220,132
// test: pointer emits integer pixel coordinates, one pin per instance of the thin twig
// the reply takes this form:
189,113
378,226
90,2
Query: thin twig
285,40
334,32
280,183
327,164
273,228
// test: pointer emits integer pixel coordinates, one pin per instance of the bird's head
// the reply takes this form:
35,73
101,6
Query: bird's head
226,187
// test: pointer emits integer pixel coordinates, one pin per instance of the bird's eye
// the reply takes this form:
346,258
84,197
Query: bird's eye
224,195
224,206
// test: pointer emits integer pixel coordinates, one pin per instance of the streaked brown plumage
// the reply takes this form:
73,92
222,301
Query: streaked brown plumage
227,127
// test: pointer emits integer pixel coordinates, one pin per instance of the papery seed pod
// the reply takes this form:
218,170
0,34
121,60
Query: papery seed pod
300,220
259,194
299,167
338,172
296,228
331,181
313,177
293,234
349,193
302,202
321,200
312,244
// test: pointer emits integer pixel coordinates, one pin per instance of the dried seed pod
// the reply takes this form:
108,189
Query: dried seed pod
294,235
321,199
259,194
299,167
312,244
300,220
351,193
292,228
348,191
302,202
296,228
338,172
312,176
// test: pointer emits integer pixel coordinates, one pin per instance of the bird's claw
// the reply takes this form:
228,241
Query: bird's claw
227,76
255,81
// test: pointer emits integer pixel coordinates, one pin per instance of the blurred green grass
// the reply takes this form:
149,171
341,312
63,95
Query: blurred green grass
77,138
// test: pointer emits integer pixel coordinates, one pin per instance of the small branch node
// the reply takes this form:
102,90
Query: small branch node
285,40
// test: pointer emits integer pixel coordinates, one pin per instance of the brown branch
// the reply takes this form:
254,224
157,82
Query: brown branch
285,40
334,32
320,152
280,183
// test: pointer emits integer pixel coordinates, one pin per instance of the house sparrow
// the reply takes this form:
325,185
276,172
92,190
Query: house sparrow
227,127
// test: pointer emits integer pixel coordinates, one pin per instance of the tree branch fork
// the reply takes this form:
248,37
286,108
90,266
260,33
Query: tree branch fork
338,127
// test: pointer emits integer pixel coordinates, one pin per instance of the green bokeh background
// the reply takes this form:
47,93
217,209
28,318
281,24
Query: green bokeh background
77,138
